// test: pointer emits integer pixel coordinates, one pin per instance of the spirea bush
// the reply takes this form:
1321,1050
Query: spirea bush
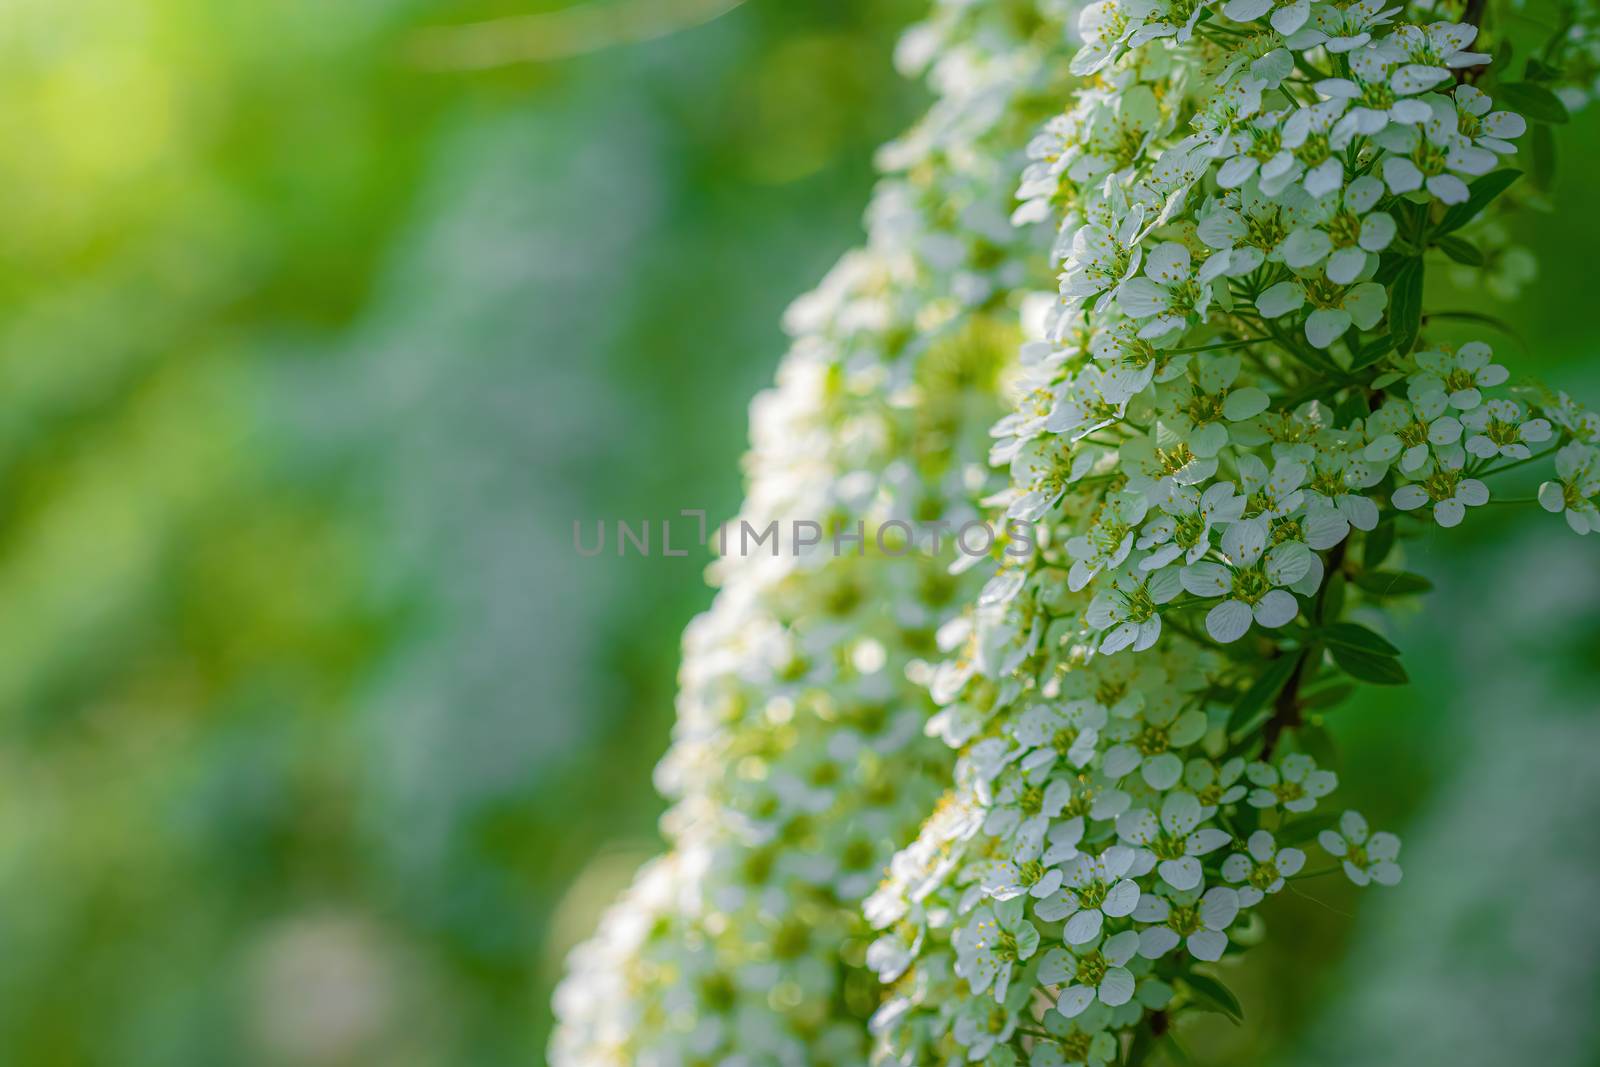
1233,411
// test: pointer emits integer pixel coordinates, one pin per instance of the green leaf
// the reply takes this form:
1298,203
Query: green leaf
1298,830
1543,150
1265,688
1326,697
1332,597
1317,743
1366,667
1460,250
1479,194
1214,996
1380,540
1371,352
1532,101
1405,306
1537,71
1355,636
1392,583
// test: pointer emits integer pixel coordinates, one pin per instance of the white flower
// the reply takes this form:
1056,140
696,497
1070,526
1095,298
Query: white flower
1212,785
1334,306
1500,428
1578,468
1251,580
1109,539
1491,130
1146,744
1197,921
994,940
1249,227
1171,293
1069,731
1092,972
1344,230
1129,612
1365,858
1097,889
1435,156
1410,432
1380,92
1446,487
1262,869
1172,843
1199,412
1287,15
1342,28
1295,782
980,1027
1458,376
1083,1041
1438,48
1183,529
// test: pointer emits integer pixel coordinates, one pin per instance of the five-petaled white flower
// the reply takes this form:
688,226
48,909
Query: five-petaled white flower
1252,581
1296,783
1092,972
1097,888
1366,858
1172,843
1262,869
1199,922
1576,487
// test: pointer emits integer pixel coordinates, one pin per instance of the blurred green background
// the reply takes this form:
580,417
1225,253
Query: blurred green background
317,330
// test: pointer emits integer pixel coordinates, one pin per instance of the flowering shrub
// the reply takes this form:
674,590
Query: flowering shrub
1235,412
799,760
1238,410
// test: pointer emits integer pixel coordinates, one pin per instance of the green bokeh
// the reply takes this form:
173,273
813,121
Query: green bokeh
320,746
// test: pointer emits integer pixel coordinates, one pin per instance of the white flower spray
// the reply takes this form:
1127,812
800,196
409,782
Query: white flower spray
1237,413
1242,410
799,759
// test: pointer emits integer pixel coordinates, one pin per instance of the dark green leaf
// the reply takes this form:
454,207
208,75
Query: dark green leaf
1460,250
1332,597
1405,306
1371,352
1265,688
1213,995
1317,743
1355,636
1327,697
1379,670
1543,151
1537,71
1298,830
1378,543
1532,101
1392,583
1480,193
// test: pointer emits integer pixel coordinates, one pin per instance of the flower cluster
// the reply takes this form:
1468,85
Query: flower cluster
1236,412
799,760
1230,420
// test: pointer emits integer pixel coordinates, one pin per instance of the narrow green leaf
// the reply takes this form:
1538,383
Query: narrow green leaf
1327,697
1460,250
1405,306
1480,193
1392,583
1366,667
1379,541
1265,688
1355,636
1537,71
1543,150
1333,597
1532,101
1298,830
1372,351
1213,995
